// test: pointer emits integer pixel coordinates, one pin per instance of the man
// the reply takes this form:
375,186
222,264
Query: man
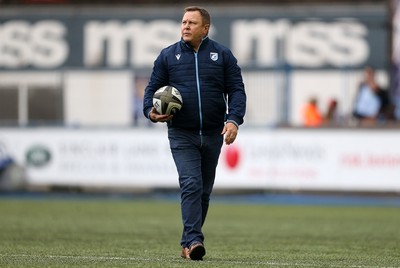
371,100
311,114
209,80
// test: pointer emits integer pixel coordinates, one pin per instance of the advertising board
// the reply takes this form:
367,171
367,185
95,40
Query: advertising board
262,37
352,160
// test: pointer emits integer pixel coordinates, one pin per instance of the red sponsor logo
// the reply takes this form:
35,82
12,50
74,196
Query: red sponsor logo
232,156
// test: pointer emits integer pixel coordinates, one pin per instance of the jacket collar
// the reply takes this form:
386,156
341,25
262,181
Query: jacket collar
203,42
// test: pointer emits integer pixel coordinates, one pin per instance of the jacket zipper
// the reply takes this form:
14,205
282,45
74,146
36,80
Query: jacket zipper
198,93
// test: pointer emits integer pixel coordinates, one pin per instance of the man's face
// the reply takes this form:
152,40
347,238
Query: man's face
192,28
369,74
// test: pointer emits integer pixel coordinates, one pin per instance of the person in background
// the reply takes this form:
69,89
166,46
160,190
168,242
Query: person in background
311,115
371,100
332,116
214,104
12,174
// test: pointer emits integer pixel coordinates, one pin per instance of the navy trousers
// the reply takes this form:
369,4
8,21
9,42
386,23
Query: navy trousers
196,158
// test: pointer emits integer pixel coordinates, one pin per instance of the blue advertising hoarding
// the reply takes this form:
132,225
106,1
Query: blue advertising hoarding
263,37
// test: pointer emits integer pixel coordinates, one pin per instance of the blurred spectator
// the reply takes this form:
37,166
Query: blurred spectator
372,101
12,175
311,114
140,83
332,118
5,159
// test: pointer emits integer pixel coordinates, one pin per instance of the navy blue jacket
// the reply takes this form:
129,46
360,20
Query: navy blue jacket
209,81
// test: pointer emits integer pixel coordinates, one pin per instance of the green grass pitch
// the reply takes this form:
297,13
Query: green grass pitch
134,233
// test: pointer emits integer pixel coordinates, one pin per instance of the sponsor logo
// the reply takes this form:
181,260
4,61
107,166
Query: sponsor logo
232,157
38,156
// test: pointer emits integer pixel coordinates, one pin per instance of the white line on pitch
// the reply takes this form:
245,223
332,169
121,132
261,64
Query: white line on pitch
256,263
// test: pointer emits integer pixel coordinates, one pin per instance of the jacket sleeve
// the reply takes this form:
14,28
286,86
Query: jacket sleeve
235,90
158,78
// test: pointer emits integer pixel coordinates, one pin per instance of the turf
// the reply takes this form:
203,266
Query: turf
128,233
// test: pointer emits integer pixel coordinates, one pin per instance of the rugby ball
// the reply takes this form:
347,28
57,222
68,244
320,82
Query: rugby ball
167,100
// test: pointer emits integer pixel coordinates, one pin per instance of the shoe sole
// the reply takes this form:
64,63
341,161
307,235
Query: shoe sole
197,253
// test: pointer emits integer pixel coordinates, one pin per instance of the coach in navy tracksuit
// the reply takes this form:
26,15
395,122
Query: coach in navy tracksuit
214,103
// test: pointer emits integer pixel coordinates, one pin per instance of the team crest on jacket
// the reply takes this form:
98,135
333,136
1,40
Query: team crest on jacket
177,56
214,56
